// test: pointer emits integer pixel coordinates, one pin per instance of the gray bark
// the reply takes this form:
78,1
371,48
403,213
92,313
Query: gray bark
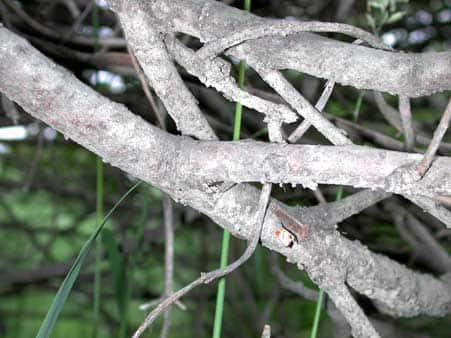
55,96
407,74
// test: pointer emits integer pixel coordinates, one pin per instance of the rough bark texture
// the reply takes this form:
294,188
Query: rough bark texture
53,95
398,73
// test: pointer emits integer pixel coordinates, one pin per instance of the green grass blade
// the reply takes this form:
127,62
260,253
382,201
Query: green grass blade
219,310
319,304
66,286
238,106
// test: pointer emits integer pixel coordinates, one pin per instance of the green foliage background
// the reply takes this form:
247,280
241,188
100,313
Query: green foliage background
47,211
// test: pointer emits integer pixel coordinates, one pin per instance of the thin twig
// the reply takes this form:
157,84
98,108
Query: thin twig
329,214
168,212
320,105
284,28
216,73
300,289
351,310
284,88
145,86
392,117
51,33
275,132
155,302
368,133
406,120
271,303
431,206
423,242
388,112
208,277
440,131
9,107
78,22
286,282
5,15
72,7
319,196
372,134
266,331
429,246
167,203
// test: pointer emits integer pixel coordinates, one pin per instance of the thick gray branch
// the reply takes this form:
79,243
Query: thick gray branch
146,41
55,96
362,67
216,73
309,165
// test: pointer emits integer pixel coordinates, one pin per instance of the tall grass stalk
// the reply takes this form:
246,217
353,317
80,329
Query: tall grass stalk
219,310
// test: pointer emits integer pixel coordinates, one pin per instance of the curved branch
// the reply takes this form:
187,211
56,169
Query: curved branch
55,96
143,36
283,28
405,74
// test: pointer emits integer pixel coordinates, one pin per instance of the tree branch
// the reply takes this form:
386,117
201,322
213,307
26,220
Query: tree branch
55,96
362,67
142,34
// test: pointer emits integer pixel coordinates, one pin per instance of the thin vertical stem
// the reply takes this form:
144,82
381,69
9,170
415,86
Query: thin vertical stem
238,107
168,212
319,305
217,325
358,106
406,120
219,310
98,249
439,132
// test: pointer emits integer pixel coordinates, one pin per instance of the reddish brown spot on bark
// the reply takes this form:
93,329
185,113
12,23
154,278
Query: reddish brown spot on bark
304,232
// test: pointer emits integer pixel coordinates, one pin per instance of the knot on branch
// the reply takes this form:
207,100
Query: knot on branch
402,179
218,71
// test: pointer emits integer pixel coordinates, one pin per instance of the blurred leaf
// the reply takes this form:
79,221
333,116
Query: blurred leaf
118,269
383,19
371,21
396,16
394,4
117,266
380,4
